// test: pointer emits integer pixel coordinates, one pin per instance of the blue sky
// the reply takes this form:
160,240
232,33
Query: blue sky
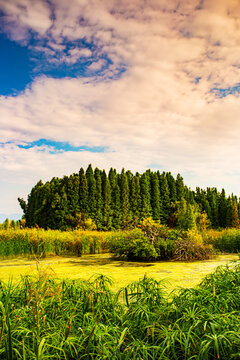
14,75
133,85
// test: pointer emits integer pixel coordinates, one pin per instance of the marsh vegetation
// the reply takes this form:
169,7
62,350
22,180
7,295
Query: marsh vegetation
44,318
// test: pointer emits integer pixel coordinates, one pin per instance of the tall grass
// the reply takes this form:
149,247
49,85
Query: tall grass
226,240
41,242
44,318
161,243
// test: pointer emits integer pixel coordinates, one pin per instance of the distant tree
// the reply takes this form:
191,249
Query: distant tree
180,188
115,199
13,224
6,224
23,205
222,209
98,218
124,193
165,198
172,187
155,197
229,212
235,217
91,204
186,215
202,221
83,191
123,200
72,190
145,210
212,198
106,196
135,198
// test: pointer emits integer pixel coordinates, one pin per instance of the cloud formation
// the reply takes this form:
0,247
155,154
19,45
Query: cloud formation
151,103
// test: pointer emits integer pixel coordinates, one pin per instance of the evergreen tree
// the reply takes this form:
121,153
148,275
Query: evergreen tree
115,199
58,207
72,190
106,195
222,209
155,198
23,205
229,212
34,204
172,187
165,198
124,192
83,192
146,210
186,215
213,202
235,217
180,188
135,198
6,224
91,204
99,199
124,199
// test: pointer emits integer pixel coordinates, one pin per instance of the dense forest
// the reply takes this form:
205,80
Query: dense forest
122,200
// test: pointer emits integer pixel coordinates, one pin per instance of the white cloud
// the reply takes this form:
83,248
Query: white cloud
154,113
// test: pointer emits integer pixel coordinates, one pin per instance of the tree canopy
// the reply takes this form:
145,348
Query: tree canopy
123,200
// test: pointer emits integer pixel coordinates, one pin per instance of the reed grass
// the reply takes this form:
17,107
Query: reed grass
225,240
45,318
39,242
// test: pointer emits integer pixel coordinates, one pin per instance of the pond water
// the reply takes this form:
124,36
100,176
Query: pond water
174,274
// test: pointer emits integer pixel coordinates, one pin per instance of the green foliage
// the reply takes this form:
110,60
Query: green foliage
78,221
227,240
44,318
133,245
154,241
122,200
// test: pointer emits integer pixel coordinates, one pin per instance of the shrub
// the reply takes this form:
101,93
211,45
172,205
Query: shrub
133,245
187,250
161,237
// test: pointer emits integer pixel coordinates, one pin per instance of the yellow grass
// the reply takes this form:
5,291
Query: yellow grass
122,272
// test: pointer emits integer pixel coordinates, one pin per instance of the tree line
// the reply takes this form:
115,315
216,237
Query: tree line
122,200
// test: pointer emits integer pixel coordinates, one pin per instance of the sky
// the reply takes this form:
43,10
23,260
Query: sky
137,84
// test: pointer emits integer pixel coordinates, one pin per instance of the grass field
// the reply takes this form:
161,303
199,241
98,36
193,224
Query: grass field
184,274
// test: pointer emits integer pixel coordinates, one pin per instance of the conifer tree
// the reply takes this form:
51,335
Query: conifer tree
124,193
124,199
180,187
146,210
155,197
45,208
106,195
6,224
235,217
99,199
83,192
23,205
229,212
165,198
213,202
135,198
222,209
91,204
115,199
72,191
172,187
